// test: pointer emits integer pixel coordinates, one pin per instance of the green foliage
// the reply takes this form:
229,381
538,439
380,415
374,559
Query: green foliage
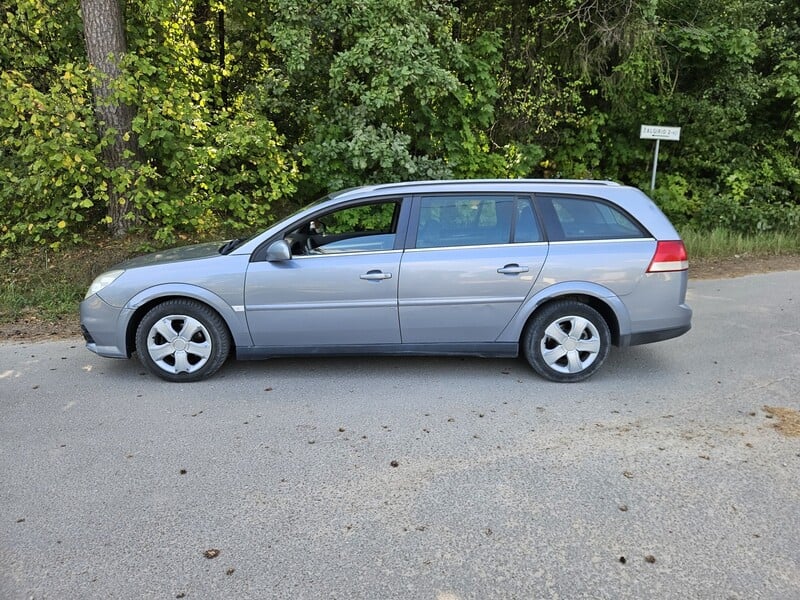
373,217
236,125
50,175
583,150
674,196
49,168
207,167
368,102
387,92
204,167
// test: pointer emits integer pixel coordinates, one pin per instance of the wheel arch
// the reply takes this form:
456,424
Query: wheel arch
603,300
598,304
143,302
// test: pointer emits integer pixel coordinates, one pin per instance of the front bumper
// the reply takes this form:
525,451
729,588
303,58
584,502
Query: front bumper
101,327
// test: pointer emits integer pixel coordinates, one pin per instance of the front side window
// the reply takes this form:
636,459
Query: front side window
474,220
574,219
363,228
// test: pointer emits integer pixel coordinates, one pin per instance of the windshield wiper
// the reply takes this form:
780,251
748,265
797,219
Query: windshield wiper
230,246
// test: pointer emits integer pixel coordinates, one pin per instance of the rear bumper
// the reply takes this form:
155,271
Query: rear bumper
648,337
658,309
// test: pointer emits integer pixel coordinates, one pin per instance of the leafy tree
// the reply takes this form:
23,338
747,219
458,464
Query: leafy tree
379,91
104,35
244,111
196,166
49,146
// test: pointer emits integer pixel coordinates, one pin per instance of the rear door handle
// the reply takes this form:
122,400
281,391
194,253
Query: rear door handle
512,269
375,275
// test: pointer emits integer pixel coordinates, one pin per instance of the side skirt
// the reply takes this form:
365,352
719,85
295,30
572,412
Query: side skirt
491,349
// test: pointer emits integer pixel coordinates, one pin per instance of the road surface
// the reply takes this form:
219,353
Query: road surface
663,476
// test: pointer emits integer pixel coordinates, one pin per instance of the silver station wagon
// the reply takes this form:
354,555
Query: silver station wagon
556,270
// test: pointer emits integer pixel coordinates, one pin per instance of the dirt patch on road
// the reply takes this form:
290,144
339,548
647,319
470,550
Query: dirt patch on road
788,420
738,266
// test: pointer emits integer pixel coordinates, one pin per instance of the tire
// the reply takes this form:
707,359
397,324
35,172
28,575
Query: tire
182,340
566,341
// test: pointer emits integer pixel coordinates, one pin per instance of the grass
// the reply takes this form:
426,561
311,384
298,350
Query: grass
40,284
721,243
37,284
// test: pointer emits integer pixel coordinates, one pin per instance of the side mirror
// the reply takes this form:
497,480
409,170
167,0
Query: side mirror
279,251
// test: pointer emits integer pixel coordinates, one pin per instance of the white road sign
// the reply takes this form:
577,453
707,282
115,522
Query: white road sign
659,132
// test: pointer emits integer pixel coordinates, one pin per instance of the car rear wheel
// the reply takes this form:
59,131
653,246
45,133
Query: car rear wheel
566,341
182,340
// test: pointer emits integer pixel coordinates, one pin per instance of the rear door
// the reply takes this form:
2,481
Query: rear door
470,262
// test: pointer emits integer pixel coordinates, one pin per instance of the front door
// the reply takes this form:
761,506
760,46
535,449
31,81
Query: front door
338,289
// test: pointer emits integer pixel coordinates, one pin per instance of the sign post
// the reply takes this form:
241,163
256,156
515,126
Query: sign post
658,133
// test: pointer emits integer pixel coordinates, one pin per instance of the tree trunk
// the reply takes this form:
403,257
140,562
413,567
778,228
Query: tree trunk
105,46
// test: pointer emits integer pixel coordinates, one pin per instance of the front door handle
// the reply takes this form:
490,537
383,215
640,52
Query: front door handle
512,269
375,275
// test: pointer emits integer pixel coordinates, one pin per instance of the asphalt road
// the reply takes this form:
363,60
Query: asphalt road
661,477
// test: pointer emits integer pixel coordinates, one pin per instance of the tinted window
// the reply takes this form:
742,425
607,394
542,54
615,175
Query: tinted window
587,219
474,220
526,228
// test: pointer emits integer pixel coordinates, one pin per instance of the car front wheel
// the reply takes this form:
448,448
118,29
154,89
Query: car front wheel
182,340
566,341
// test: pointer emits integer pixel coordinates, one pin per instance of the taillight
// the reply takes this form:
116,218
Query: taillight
669,256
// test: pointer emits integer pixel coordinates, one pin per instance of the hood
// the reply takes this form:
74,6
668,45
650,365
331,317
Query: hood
172,255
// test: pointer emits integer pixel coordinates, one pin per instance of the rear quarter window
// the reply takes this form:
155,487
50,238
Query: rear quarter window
569,218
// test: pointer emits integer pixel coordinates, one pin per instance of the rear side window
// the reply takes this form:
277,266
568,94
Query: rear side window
573,219
475,220
526,228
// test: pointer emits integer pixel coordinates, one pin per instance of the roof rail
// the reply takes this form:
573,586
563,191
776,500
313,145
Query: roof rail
503,181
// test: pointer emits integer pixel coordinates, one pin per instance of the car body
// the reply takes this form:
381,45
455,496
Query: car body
558,270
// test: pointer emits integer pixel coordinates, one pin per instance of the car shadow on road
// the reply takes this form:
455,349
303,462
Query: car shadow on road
622,364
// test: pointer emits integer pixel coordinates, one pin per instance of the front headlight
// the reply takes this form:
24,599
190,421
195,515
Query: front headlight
103,280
